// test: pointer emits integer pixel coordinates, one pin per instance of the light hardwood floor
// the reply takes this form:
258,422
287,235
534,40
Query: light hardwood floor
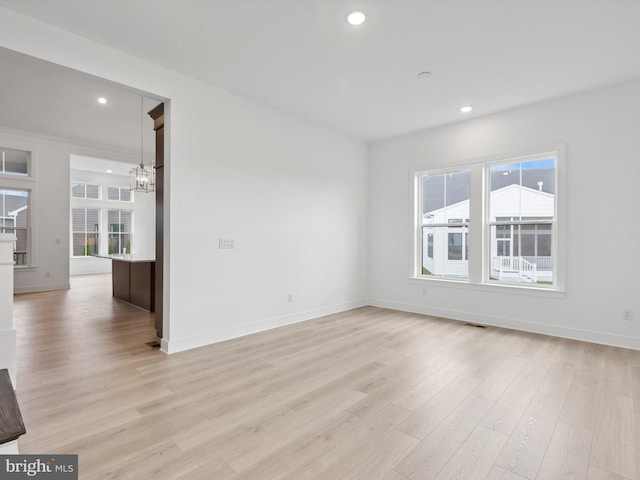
368,394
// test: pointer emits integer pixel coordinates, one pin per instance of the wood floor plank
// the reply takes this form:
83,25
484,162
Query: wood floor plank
421,422
499,473
475,457
596,473
509,408
527,445
567,455
431,454
613,448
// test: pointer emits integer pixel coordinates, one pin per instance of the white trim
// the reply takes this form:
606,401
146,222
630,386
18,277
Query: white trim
519,325
490,287
42,288
181,344
9,448
479,268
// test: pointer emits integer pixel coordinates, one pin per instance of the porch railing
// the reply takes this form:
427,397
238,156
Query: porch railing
526,270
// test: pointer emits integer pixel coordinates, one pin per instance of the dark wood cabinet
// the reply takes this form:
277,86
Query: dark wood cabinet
134,282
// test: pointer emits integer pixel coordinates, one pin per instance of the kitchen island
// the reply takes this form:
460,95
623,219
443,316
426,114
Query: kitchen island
133,280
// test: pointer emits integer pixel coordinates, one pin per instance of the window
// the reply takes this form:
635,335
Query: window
119,222
444,223
121,194
14,219
511,214
85,190
521,221
14,162
85,225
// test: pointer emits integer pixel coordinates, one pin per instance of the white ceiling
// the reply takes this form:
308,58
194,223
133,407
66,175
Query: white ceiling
300,56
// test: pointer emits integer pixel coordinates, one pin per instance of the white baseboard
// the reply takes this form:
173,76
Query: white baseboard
181,344
9,448
495,321
41,288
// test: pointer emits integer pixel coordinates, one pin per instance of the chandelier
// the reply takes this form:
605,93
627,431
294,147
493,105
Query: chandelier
142,178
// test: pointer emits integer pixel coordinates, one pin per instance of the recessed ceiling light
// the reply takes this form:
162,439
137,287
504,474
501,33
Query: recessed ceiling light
109,171
102,100
424,75
466,109
356,18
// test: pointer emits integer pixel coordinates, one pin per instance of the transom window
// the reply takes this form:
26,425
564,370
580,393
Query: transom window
85,190
14,162
120,194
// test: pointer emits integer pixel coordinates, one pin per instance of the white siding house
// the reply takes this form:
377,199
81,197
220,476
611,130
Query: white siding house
513,248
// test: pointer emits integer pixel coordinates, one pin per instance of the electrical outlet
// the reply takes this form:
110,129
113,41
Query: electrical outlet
424,291
628,315
290,297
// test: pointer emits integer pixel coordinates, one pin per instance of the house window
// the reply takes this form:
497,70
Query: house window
85,190
15,219
85,225
444,222
521,201
14,162
120,222
518,224
120,194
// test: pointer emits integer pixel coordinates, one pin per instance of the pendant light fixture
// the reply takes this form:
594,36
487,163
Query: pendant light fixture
141,178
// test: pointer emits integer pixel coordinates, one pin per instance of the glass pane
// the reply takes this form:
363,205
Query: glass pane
113,193
445,196
93,220
114,220
78,220
125,221
524,256
114,243
444,251
93,191
78,244
523,190
432,196
78,190
15,161
125,195
126,243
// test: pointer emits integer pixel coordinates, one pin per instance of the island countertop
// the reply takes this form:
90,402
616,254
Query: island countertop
131,258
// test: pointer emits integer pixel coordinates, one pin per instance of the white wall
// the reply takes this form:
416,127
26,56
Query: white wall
292,195
143,208
600,130
7,329
49,203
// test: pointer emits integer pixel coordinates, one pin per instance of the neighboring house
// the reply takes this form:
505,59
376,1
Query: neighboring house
523,255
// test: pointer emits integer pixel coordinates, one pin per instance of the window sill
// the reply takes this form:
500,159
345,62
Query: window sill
24,268
489,287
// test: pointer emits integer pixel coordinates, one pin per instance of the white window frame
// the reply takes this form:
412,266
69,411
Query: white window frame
480,230
420,224
85,232
120,234
85,190
28,229
488,223
120,189
13,175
